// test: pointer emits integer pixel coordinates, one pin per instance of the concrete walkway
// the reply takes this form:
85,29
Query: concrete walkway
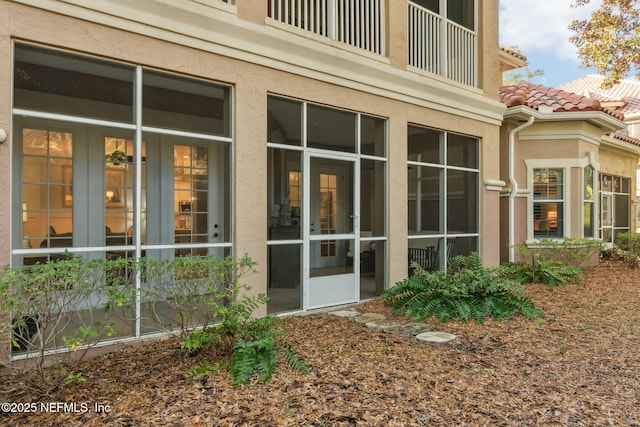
422,331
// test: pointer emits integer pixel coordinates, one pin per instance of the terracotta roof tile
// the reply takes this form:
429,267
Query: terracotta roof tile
627,92
534,96
626,138
514,53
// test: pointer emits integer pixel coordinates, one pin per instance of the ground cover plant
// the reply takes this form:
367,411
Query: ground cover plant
554,262
464,291
550,273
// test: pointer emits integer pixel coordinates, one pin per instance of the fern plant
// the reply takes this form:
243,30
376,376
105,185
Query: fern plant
465,291
252,345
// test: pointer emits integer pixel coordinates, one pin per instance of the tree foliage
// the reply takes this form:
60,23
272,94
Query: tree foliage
514,77
609,41
517,76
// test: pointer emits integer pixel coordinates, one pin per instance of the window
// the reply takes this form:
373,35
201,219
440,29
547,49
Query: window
85,181
548,202
614,206
461,12
69,170
443,199
47,158
588,203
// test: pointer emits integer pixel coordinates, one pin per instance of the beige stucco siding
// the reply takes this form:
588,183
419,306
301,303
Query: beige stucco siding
252,82
618,163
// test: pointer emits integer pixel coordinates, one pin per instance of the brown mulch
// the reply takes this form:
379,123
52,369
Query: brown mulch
579,366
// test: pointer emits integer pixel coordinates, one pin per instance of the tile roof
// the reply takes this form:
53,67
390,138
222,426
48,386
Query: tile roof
627,92
514,53
626,138
534,96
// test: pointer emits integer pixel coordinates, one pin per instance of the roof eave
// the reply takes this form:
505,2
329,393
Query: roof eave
621,145
510,62
597,118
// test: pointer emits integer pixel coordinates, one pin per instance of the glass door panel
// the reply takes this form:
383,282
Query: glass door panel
190,195
47,193
606,217
119,200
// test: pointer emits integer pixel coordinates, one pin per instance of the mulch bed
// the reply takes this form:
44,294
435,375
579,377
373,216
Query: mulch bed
577,366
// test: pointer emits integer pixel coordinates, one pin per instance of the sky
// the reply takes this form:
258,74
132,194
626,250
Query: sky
540,29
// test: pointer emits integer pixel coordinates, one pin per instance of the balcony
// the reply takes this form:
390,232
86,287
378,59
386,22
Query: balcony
442,46
359,23
441,39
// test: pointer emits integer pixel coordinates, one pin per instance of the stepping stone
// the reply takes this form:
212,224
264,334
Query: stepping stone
383,324
434,336
369,317
416,328
345,313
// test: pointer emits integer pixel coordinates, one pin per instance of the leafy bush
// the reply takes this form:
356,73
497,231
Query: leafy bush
254,345
178,293
68,304
465,291
52,305
629,248
258,349
548,272
580,253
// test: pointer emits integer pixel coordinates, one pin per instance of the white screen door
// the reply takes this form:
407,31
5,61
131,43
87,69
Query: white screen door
331,231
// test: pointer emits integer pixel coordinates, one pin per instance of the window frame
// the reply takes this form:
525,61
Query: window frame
559,201
592,202
612,208
444,237
567,164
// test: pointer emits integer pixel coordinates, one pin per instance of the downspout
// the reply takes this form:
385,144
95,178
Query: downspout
514,186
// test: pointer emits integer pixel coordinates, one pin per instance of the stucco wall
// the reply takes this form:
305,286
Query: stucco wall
5,147
252,82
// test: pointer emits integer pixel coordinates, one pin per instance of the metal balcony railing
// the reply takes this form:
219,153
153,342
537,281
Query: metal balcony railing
359,23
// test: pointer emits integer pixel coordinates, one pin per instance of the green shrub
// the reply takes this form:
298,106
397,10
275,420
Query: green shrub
54,305
254,345
178,294
629,248
258,349
576,252
465,291
68,304
548,272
